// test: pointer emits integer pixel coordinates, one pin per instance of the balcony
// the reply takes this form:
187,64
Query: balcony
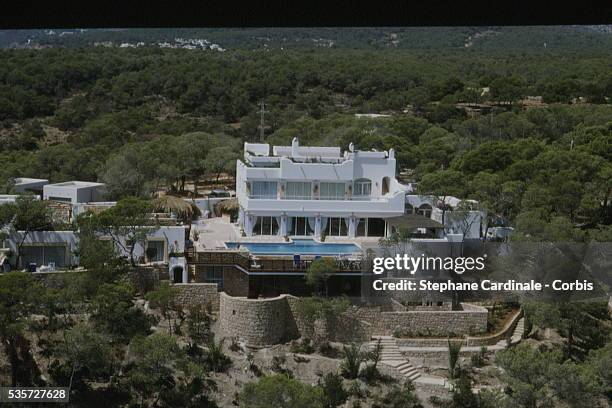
386,206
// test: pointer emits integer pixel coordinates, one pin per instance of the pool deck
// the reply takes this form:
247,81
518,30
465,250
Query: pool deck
213,233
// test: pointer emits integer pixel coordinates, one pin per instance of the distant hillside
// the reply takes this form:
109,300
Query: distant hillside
550,39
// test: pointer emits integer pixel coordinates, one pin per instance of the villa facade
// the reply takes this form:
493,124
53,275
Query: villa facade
312,192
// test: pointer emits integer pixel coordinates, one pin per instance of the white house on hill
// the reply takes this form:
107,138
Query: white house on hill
313,191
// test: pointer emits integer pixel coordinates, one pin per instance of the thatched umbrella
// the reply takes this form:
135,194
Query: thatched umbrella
229,206
183,209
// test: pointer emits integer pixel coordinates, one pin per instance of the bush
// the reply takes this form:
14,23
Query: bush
334,393
304,346
478,360
280,391
397,397
353,358
215,358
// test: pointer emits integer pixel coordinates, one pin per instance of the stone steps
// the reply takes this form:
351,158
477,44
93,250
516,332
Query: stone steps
391,356
519,330
517,334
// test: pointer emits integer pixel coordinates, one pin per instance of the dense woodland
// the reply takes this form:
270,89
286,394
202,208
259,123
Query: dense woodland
146,119
149,118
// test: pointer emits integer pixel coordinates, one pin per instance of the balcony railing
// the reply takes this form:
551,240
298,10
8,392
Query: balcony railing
289,265
353,198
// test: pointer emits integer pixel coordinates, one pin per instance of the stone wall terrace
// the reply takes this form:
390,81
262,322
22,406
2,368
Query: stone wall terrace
190,294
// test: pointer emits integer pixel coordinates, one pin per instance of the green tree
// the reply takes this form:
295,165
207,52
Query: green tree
221,160
164,299
127,224
25,216
199,323
112,311
319,272
86,353
334,393
280,391
155,358
19,295
527,374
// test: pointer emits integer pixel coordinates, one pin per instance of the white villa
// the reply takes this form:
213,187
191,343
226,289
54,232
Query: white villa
314,191
74,192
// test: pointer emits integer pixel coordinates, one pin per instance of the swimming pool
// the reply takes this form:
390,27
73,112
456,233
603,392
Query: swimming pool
297,246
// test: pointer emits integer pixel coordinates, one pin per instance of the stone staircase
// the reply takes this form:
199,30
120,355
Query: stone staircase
517,334
391,356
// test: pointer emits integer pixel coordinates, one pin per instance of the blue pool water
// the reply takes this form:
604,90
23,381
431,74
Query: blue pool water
298,246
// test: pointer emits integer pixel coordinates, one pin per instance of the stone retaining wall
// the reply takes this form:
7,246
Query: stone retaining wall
259,322
56,279
264,322
505,333
198,293
471,320
490,340
344,328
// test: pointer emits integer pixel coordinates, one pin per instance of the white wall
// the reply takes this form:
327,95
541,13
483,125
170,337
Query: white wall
170,234
76,194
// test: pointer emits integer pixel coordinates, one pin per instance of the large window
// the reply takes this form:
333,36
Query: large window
43,255
362,188
263,190
155,251
298,190
376,227
370,227
265,226
336,227
332,191
302,226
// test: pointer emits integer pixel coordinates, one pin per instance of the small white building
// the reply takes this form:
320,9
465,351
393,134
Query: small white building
58,249
7,198
30,185
74,192
314,191
456,219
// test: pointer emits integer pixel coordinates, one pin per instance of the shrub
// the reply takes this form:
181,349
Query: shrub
397,397
334,393
352,360
215,358
304,346
280,391
478,359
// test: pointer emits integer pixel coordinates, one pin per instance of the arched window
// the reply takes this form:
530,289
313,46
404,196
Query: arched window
385,185
424,210
362,187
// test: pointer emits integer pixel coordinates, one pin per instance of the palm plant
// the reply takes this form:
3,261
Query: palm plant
352,361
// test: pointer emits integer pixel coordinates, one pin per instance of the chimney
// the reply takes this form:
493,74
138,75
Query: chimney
295,144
